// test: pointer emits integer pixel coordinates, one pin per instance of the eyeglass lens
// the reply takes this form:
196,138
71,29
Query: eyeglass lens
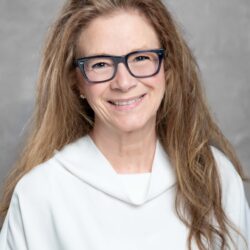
140,64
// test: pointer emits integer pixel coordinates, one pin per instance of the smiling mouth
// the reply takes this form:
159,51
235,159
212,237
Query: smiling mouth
126,102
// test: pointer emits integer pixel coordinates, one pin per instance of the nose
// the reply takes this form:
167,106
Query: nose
123,80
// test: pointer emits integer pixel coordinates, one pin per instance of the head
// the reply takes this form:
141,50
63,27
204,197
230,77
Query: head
125,97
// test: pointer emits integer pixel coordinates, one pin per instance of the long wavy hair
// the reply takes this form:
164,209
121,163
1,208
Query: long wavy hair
184,124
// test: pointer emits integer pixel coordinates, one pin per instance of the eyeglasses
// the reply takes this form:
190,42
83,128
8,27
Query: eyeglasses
103,68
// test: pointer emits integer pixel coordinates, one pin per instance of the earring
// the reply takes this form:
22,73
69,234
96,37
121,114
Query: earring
82,96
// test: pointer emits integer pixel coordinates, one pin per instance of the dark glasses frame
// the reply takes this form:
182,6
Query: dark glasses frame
116,60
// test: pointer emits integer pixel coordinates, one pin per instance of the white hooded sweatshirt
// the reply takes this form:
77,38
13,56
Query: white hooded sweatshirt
77,201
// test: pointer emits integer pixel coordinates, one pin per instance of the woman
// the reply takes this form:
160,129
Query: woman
123,152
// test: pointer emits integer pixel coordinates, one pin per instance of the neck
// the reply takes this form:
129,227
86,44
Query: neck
128,152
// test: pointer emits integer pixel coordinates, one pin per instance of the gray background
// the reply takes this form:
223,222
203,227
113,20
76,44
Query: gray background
218,31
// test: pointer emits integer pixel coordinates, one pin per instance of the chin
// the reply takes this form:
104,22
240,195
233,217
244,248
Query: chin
132,126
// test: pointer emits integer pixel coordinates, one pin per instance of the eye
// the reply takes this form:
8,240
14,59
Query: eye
141,58
99,65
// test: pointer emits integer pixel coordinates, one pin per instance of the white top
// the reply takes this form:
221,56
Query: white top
76,201
136,185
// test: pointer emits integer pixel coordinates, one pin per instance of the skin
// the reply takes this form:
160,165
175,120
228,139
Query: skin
129,131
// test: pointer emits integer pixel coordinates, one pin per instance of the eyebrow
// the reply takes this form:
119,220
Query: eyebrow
109,54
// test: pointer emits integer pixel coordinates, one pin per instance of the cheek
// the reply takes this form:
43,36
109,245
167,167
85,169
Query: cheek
161,82
157,83
161,77
85,88
80,81
158,87
93,93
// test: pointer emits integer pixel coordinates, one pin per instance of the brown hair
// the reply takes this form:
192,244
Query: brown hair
184,124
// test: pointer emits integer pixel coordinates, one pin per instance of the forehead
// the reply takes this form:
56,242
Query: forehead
117,34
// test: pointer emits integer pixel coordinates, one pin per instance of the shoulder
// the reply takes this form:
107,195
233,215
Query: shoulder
44,178
233,192
38,181
230,180
234,200
227,172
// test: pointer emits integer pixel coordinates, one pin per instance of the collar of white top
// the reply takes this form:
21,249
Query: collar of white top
83,159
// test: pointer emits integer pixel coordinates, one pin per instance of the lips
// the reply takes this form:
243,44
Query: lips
126,102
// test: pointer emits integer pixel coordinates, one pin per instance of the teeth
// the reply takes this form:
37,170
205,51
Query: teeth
124,103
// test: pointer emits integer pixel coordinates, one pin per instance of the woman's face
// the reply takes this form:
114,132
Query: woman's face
125,103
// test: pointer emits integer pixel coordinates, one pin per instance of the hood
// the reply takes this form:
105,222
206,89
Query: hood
83,159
